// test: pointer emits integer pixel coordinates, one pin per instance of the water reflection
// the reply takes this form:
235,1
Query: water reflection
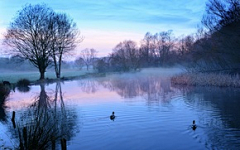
52,116
152,88
217,109
226,100
23,89
88,85
219,114
45,121
4,93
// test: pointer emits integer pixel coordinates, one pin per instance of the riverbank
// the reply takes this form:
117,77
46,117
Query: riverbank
33,76
72,74
68,78
206,79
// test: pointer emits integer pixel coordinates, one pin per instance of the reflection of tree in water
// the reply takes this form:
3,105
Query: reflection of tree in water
45,122
4,93
219,113
88,85
152,88
23,89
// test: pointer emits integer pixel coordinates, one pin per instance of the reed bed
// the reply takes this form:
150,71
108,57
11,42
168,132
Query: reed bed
207,79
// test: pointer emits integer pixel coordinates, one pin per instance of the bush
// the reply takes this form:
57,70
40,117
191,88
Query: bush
23,83
4,92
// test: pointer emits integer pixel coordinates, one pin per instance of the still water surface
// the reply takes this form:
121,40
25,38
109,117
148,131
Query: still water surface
150,114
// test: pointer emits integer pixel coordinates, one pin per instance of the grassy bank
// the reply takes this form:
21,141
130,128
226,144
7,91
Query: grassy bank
33,76
207,79
70,74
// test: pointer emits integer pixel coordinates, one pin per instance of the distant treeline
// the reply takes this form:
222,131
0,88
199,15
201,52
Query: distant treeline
15,64
19,64
214,48
155,50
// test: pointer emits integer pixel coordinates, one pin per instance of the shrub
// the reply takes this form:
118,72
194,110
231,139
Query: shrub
4,91
23,83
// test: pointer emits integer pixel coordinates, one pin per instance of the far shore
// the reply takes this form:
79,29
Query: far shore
206,79
178,76
33,76
73,74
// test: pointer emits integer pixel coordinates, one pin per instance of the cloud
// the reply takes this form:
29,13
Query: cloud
139,11
104,40
105,23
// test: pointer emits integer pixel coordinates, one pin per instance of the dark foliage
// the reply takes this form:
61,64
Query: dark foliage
4,92
39,34
23,82
219,49
23,85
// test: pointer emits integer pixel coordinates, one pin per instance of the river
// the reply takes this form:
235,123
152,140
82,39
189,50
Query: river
150,114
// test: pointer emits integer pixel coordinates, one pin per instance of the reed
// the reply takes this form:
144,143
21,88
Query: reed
207,79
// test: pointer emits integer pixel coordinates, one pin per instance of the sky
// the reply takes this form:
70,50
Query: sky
105,23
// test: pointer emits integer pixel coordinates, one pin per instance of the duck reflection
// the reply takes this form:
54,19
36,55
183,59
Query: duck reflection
45,122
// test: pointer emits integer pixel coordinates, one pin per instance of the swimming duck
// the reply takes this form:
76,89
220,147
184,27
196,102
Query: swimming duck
194,126
112,117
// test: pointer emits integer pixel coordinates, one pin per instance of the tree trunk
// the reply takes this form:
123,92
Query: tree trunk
43,97
42,75
56,66
59,66
57,71
42,72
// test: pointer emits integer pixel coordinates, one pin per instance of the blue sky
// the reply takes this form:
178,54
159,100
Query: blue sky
105,23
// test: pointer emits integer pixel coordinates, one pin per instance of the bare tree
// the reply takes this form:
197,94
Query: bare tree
64,34
155,49
29,37
79,62
126,55
88,56
220,13
185,44
148,49
165,45
38,34
220,50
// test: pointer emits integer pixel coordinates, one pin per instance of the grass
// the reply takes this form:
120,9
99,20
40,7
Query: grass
207,79
14,77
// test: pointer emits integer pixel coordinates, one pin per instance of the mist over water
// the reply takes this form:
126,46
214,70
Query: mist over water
150,112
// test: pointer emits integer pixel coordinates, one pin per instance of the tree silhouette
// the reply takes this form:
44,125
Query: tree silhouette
45,122
38,34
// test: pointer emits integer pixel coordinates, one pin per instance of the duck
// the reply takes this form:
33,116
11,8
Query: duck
194,126
112,117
